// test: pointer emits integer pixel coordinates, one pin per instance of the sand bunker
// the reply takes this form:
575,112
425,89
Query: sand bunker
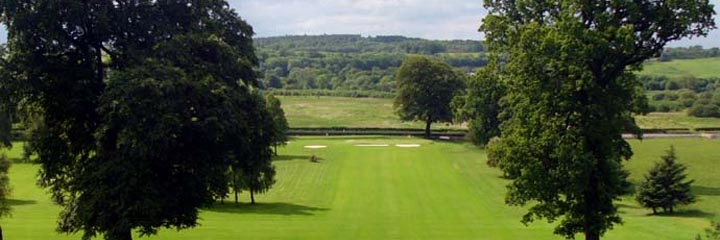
315,146
407,145
372,145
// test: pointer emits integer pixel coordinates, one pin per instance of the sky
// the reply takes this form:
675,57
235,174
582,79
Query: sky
430,19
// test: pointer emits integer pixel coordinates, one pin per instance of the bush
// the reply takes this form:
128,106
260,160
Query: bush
704,110
659,97
687,102
672,97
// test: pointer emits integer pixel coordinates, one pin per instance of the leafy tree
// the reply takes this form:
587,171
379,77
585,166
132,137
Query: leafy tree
665,186
480,106
425,89
572,94
256,167
142,103
279,121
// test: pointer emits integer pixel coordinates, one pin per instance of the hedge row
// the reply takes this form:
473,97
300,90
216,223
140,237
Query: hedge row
331,93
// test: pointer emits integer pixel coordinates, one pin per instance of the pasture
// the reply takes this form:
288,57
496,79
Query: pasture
699,68
308,111
440,190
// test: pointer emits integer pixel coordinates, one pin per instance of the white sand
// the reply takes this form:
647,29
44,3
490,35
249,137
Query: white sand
315,146
407,145
372,145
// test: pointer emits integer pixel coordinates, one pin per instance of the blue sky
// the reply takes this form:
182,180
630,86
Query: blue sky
432,19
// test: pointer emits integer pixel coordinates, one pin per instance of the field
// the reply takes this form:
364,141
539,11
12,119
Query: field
675,120
345,112
699,68
440,190
376,112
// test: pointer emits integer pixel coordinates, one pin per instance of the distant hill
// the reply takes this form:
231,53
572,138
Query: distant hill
353,62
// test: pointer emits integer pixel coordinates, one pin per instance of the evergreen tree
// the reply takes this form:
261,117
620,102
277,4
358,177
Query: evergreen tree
665,186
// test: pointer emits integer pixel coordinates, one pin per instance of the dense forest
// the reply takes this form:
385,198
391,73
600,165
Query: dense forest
355,62
365,66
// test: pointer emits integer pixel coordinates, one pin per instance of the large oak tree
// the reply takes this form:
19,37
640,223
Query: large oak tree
572,93
425,89
143,105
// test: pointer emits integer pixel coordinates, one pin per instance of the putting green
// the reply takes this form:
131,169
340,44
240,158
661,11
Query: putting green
442,190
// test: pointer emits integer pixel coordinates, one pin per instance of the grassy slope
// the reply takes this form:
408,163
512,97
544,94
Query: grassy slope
438,191
700,68
373,112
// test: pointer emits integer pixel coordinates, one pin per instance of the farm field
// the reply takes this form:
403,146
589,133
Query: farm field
439,190
378,113
699,68
310,111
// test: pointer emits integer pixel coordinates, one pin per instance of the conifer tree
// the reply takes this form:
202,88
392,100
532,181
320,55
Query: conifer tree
665,186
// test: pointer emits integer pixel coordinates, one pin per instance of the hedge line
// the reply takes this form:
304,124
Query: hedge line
331,93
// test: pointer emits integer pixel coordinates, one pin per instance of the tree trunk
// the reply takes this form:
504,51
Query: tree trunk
125,234
427,127
654,211
1,236
275,149
236,195
591,236
252,197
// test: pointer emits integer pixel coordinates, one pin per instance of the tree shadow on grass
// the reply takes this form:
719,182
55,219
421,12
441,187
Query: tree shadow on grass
17,202
690,213
266,208
290,157
706,191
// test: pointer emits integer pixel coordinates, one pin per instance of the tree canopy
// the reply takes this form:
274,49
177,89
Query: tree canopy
425,89
143,104
480,106
572,93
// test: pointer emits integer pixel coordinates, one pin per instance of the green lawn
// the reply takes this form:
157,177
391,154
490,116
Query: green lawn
440,190
699,68
376,112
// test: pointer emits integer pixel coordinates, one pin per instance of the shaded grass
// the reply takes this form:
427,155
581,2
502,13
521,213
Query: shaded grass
442,190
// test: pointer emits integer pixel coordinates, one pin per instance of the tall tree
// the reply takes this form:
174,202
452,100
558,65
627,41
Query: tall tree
257,169
665,186
572,93
425,89
480,106
279,122
142,102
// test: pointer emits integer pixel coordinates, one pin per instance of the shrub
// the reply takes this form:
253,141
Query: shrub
704,110
659,97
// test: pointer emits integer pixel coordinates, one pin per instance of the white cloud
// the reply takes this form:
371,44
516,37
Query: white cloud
433,19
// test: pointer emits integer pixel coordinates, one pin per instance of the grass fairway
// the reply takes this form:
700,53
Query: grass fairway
440,190
378,113
699,68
